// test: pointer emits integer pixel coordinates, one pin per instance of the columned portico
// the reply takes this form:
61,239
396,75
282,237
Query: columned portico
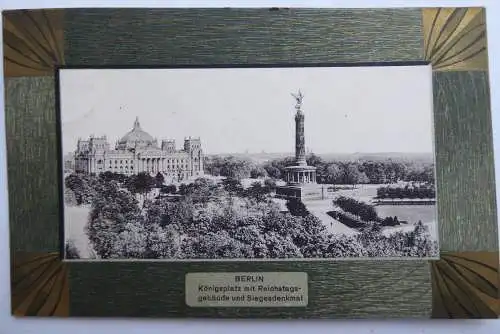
300,174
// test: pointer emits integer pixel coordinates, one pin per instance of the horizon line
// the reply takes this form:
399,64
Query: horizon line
309,153
321,153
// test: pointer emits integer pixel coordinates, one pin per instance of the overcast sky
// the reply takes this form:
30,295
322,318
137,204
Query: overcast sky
347,109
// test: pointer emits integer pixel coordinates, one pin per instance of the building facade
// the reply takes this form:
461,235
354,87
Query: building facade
136,152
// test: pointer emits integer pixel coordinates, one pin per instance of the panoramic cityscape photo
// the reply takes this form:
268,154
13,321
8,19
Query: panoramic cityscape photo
299,163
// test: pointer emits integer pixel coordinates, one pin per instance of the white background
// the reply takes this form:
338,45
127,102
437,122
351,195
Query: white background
10,325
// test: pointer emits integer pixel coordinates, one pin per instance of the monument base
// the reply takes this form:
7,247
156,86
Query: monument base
304,191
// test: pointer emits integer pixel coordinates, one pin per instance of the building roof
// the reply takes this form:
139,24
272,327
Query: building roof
136,138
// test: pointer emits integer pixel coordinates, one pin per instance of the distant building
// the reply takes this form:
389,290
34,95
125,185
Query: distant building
137,151
69,163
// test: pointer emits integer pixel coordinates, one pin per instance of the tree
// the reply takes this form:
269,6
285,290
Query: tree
408,191
201,190
229,166
342,246
314,160
141,183
351,175
163,213
270,184
232,185
296,207
363,179
73,182
250,235
216,245
131,242
280,246
170,189
276,168
69,197
163,242
257,191
112,209
159,180
272,171
71,252
83,186
379,174
258,172
107,176
331,173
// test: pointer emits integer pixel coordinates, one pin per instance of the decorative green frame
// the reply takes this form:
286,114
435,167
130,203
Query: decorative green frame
464,283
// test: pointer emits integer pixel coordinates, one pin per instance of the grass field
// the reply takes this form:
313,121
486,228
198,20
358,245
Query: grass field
409,213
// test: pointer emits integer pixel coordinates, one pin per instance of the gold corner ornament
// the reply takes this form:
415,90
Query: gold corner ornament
465,285
455,38
39,283
33,42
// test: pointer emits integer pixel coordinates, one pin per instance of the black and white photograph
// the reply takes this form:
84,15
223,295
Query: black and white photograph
269,163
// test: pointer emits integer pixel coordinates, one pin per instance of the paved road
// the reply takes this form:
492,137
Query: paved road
74,229
319,208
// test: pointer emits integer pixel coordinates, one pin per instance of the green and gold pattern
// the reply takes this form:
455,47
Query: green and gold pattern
455,38
466,285
33,42
39,283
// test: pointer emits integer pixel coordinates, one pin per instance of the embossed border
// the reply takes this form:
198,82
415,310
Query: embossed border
455,38
33,45
33,42
464,284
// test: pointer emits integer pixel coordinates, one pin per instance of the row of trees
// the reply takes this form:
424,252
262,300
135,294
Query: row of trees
205,190
83,187
408,191
80,188
227,224
357,172
233,167
328,172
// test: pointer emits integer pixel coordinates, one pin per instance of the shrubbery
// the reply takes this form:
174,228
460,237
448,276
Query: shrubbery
416,243
420,191
364,211
356,214
296,207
